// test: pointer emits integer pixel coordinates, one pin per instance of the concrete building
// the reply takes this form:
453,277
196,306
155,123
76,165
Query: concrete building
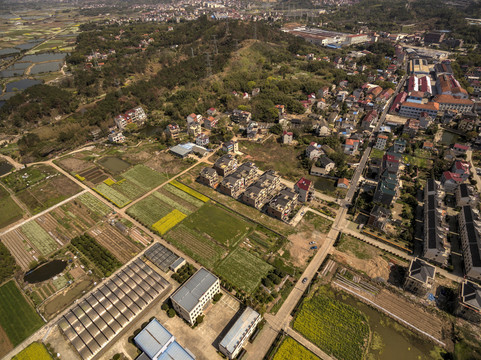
381,142
399,146
469,229
419,67
414,110
116,137
305,189
157,343
190,299
230,146
202,140
420,277
379,217
469,301
282,204
449,102
238,334
465,195
225,165
173,131
260,192
194,129
448,85
436,247
287,137
208,176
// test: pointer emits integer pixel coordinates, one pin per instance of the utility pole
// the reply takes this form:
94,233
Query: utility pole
208,65
192,51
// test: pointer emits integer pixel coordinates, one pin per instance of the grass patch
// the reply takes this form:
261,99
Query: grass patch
290,349
144,177
327,186
17,317
319,222
34,351
243,269
337,328
348,244
376,153
219,224
10,212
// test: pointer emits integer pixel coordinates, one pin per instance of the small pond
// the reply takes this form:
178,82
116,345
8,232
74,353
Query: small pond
8,51
21,84
114,164
11,73
45,271
43,57
5,167
46,67
28,45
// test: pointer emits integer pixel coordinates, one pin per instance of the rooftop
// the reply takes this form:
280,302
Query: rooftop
420,270
237,332
192,290
304,184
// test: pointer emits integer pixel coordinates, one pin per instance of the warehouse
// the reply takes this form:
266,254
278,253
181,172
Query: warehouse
157,343
233,341
190,299
97,319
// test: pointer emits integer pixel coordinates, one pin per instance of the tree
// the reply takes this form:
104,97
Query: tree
171,313
199,319
165,306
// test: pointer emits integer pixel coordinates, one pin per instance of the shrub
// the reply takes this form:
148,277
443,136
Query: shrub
165,306
199,319
171,313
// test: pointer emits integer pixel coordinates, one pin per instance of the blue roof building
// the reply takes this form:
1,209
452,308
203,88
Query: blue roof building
157,343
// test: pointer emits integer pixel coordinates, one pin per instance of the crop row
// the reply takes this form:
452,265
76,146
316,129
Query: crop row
149,210
172,203
189,191
94,204
112,195
144,177
168,221
39,237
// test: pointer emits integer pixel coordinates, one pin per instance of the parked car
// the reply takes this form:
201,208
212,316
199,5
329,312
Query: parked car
312,242
313,247
304,280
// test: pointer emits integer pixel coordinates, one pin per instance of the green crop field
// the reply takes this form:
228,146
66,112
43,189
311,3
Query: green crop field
224,227
112,195
178,203
17,317
34,351
335,327
290,349
183,195
144,177
11,212
243,269
39,237
196,245
149,210
94,204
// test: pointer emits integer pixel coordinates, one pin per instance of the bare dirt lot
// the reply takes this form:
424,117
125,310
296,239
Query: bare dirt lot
166,163
74,165
5,344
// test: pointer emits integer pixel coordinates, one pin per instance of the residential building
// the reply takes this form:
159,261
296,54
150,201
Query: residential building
282,204
120,121
469,230
399,146
379,217
210,122
136,115
230,146
116,137
157,343
414,110
461,168
181,150
241,117
313,151
232,343
190,299
419,67
351,146
467,124
305,189
369,120
460,149
232,185
434,37
436,247
465,195
427,145
212,112
469,301
202,140
208,176
381,142
342,183
225,165
323,166
193,118
287,137
249,172
411,127
281,109
173,131
420,277
260,192
448,85
449,102
450,181
194,129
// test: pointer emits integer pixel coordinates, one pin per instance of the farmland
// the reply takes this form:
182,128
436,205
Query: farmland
221,226
183,195
94,204
243,269
17,317
335,327
34,351
39,237
189,191
149,210
112,195
97,254
290,349
198,246
168,221
7,263
11,212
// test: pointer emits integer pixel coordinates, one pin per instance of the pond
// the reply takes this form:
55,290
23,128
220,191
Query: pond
45,271
8,51
28,45
11,73
46,67
21,84
5,167
114,164
449,138
43,57
391,341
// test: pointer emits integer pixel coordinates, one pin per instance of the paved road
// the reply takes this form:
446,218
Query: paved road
476,177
